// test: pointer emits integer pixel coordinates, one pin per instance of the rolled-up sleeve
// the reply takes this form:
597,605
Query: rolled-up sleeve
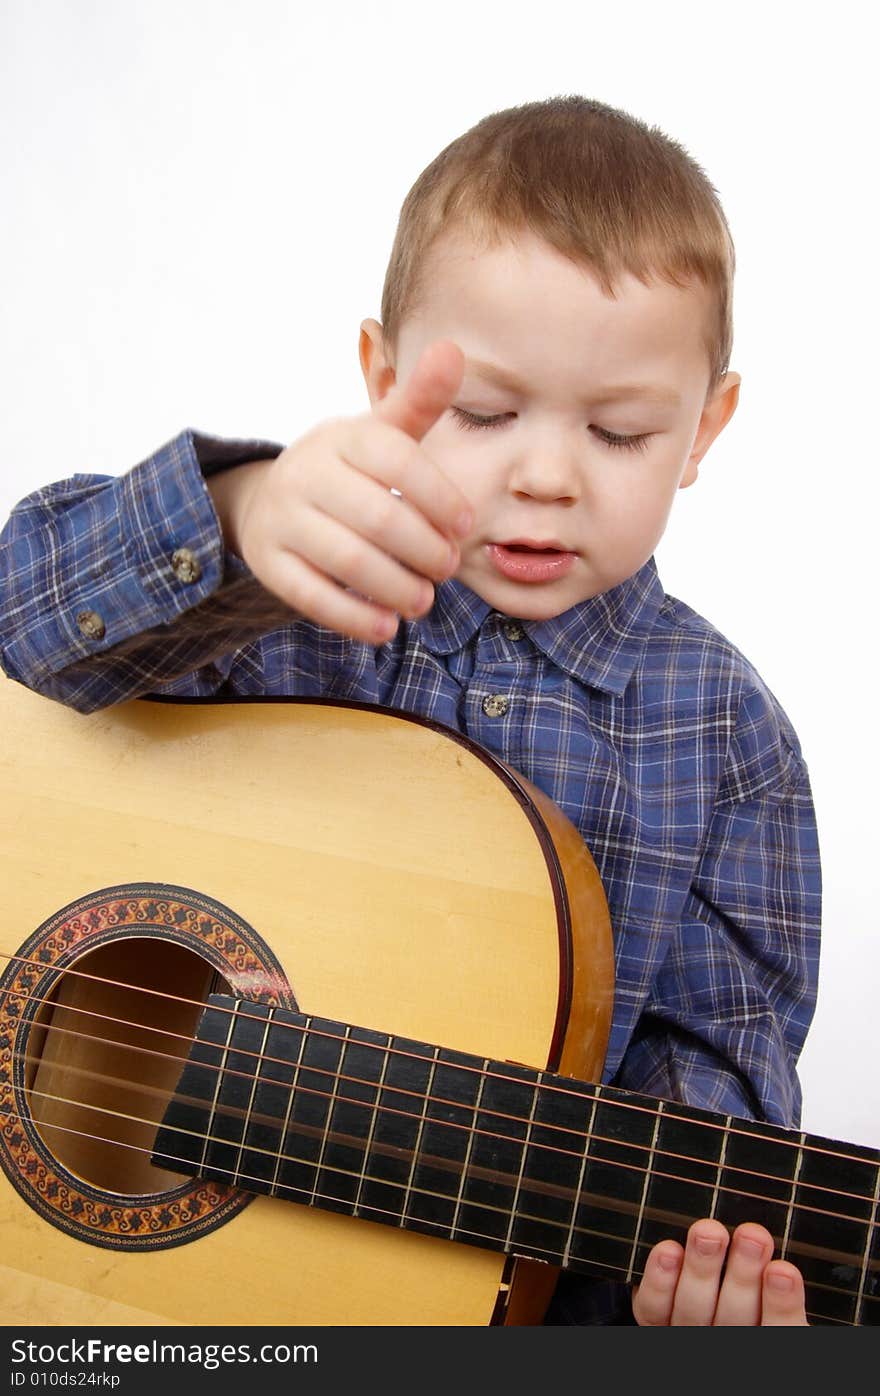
113,586
733,999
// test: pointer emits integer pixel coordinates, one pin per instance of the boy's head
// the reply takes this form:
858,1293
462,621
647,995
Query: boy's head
586,260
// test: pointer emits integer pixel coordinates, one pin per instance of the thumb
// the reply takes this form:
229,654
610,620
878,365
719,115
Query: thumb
414,406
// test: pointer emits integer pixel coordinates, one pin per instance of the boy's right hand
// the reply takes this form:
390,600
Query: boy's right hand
320,527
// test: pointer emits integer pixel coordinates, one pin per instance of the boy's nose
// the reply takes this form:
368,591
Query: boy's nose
548,472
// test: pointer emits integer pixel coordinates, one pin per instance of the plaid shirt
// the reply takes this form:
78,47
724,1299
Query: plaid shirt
644,724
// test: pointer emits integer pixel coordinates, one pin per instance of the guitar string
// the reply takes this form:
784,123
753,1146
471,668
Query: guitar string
486,1238
586,1139
838,1155
496,1076
578,1135
234,1113
482,1238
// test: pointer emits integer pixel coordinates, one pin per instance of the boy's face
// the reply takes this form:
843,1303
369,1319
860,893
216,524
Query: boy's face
578,417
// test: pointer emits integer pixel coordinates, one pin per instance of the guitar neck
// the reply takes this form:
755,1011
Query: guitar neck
507,1158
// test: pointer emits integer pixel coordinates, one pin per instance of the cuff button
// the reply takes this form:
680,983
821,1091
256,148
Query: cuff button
185,565
90,625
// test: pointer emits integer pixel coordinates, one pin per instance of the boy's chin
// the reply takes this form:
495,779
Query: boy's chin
541,601
525,602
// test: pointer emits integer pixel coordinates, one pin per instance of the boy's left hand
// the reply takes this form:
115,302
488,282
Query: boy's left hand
719,1281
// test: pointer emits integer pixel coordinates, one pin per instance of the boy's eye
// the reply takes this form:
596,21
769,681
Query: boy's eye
473,421
631,443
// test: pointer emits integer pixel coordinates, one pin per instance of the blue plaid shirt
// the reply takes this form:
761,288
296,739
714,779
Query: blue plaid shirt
644,724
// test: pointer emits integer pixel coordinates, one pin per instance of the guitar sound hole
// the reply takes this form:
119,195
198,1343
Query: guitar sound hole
105,1054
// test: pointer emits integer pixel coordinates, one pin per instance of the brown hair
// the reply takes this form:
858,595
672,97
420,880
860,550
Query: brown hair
595,183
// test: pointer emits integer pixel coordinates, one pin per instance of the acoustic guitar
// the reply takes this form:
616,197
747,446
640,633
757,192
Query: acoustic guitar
300,1008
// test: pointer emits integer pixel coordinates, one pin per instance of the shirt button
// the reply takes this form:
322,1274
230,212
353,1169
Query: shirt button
90,625
185,565
513,630
496,705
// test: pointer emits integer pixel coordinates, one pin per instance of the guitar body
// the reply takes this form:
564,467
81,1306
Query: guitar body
340,860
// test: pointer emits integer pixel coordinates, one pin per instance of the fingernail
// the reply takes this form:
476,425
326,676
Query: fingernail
706,1245
747,1247
425,600
668,1260
779,1281
464,523
384,627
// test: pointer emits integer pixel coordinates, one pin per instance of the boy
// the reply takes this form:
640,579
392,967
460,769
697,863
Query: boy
551,367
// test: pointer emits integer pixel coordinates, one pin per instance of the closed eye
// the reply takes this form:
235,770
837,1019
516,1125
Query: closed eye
472,421
631,443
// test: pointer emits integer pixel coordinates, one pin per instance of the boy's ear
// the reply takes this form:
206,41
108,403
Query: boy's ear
716,414
378,371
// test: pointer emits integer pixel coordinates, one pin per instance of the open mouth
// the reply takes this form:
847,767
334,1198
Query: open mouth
531,562
541,548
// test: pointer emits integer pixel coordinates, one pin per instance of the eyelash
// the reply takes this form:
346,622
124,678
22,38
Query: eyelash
471,421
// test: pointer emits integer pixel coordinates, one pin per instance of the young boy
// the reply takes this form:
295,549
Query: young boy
551,368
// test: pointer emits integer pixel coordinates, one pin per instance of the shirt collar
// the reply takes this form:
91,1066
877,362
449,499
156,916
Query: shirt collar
453,620
598,642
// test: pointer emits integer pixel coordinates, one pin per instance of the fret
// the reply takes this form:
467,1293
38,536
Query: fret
210,1123
566,1254
722,1158
422,1118
757,1176
869,1280
519,1178
374,1119
350,1119
552,1167
641,1216
869,1285
256,1068
786,1235
180,1144
263,1133
469,1151
408,1077
296,1041
443,1144
234,1090
305,1132
830,1226
329,1085
496,1153
612,1182
684,1178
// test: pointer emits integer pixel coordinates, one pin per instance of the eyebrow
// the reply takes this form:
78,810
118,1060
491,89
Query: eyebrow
647,392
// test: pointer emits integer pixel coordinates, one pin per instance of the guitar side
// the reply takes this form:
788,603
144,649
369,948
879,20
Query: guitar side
390,872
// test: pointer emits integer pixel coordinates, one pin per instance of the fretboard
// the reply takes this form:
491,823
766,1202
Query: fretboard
507,1158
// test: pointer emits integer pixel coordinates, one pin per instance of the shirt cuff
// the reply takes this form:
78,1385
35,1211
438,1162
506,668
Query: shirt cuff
124,554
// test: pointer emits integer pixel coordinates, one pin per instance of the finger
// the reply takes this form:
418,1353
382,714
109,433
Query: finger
783,1302
319,598
386,454
739,1303
397,525
653,1298
353,561
698,1286
414,406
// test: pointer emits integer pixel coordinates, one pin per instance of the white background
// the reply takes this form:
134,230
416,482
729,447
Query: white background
198,202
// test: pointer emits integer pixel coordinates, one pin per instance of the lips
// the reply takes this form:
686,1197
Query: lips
531,560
